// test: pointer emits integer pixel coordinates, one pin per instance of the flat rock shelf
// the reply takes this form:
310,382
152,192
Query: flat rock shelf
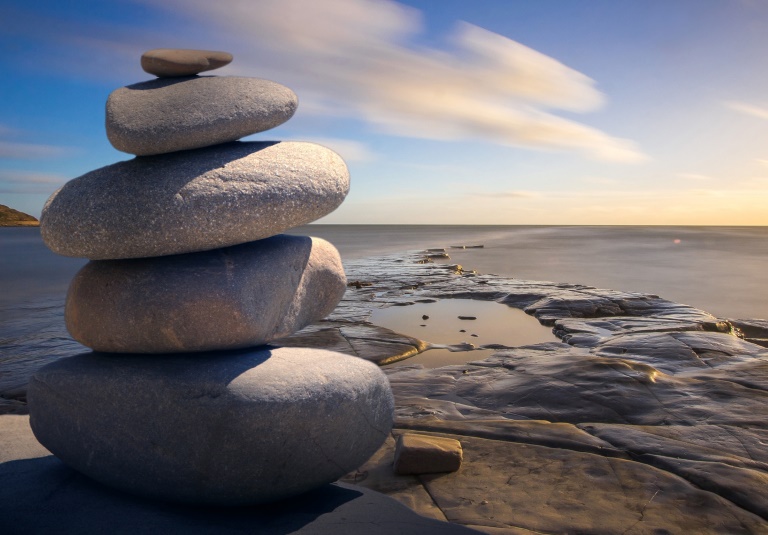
647,416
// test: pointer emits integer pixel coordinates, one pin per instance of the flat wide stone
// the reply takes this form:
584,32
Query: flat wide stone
182,62
424,454
234,428
170,114
194,201
230,298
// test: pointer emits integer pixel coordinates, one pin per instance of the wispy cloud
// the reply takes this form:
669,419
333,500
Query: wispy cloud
748,109
754,182
503,194
693,176
640,206
601,181
29,182
358,58
354,57
349,149
27,151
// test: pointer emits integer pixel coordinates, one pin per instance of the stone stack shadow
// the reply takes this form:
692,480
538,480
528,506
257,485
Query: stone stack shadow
188,278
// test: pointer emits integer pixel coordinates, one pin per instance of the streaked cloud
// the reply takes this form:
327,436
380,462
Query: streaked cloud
754,182
693,176
601,181
503,194
29,182
660,206
353,57
359,59
349,149
749,109
28,151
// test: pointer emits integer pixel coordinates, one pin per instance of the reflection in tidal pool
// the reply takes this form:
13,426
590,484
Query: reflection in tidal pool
495,324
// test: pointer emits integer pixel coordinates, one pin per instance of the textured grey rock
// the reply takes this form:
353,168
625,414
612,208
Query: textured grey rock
182,62
228,298
170,114
233,428
193,201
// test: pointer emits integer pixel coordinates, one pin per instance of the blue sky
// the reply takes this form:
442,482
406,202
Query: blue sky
446,111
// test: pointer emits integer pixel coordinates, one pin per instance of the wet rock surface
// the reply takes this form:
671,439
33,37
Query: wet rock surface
650,417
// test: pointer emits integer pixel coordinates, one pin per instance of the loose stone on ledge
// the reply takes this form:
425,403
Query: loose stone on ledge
182,62
229,298
232,428
194,200
171,114
426,454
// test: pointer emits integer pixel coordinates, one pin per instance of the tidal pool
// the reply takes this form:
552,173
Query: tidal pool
495,323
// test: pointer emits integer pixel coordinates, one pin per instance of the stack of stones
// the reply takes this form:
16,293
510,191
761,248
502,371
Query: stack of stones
188,279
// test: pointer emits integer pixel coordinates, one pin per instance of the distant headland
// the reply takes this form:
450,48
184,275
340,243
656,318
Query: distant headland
13,218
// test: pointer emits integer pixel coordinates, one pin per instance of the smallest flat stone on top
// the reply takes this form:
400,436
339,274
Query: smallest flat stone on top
167,62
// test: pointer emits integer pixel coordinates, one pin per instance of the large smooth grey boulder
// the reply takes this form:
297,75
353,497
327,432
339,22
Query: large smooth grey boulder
232,428
229,298
170,114
193,201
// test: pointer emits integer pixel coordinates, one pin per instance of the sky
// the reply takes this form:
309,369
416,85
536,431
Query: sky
508,112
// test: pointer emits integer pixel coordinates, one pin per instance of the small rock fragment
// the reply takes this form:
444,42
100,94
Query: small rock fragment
425,317
425,454
467,317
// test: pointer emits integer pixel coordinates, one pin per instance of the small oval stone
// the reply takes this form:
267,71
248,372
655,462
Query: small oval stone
193,201
229,298
171,114
182,61
230,428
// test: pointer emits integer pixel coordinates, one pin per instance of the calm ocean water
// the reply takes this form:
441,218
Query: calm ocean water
722,270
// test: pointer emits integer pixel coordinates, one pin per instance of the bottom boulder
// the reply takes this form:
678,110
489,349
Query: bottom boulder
225,428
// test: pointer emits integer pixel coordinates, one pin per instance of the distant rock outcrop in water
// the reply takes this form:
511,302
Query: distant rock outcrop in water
13,218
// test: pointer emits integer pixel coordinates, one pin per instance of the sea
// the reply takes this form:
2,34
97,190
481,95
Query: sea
722,270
